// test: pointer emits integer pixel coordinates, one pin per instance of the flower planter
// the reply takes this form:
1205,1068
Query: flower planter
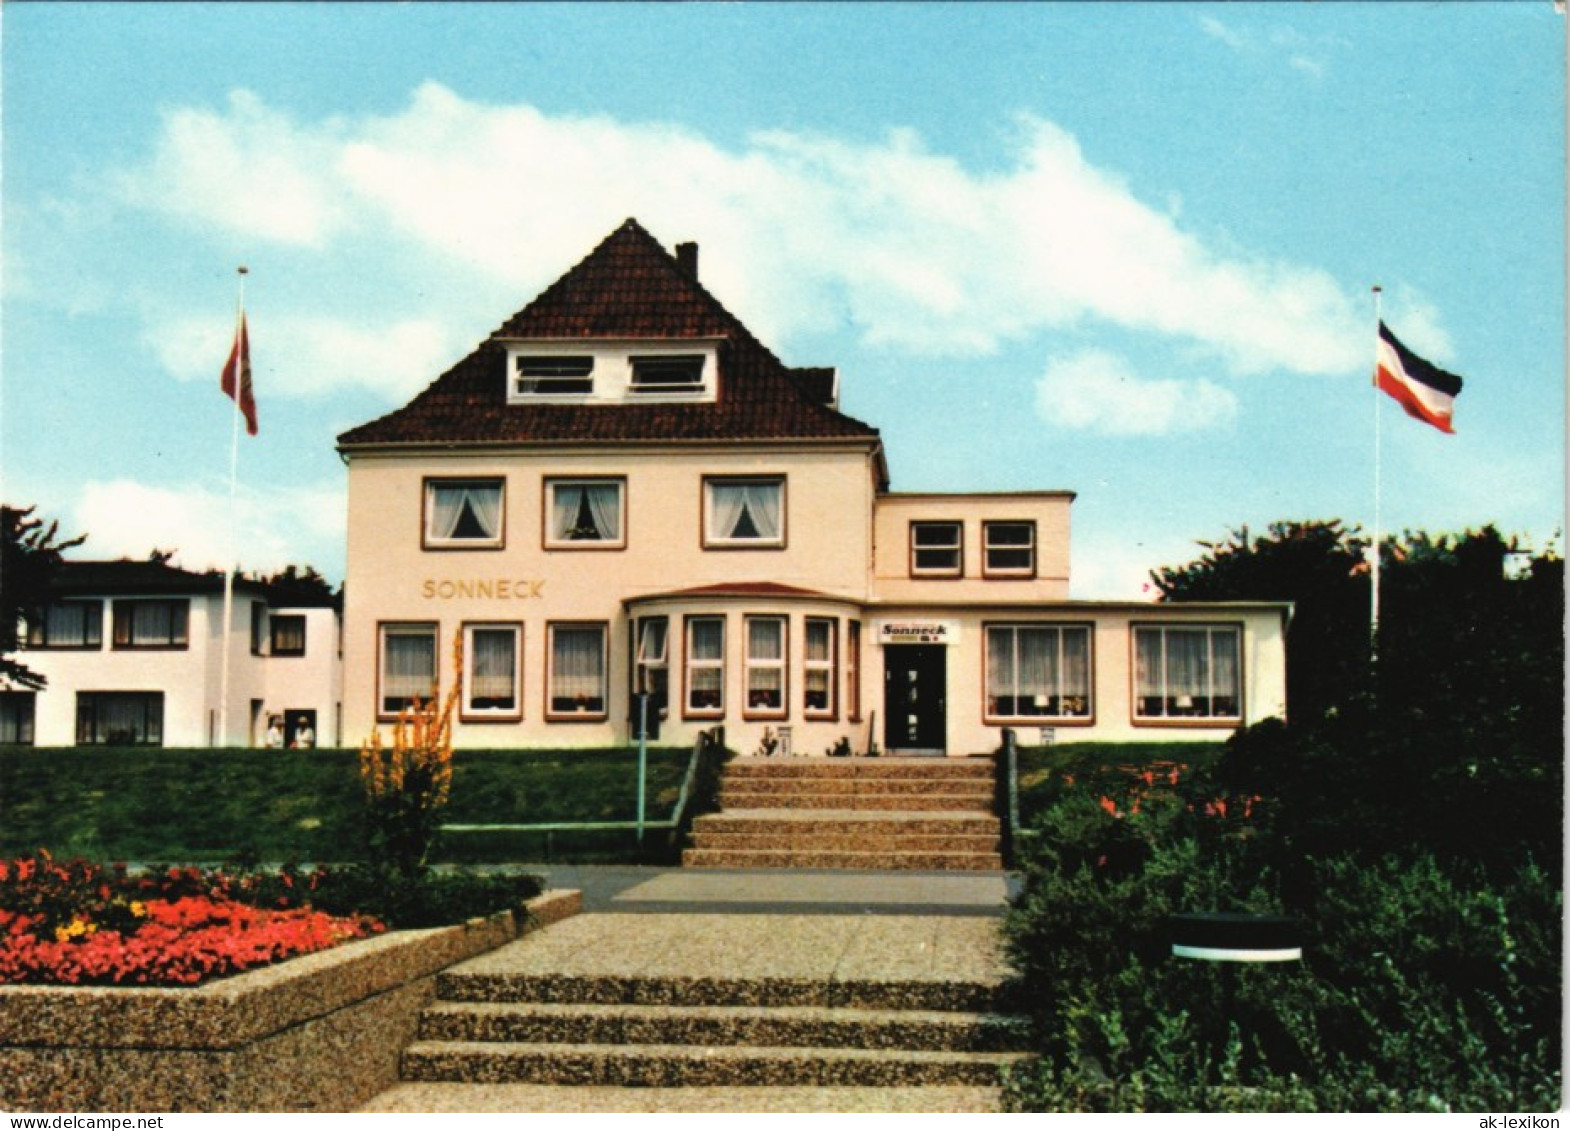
322,1032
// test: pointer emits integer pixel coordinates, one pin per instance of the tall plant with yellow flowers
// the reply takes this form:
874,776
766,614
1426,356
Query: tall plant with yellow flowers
406,785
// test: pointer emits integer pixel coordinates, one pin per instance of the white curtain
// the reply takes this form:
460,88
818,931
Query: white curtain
1147,667
1000,664
1075,673
706,663
1038,662
1187,664
758,501
408,667
1224,670
763,503
568,503
602,506
766,669
448,500
492,666
730,500
578,668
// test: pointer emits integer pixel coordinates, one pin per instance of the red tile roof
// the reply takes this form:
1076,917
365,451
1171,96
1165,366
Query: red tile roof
628,287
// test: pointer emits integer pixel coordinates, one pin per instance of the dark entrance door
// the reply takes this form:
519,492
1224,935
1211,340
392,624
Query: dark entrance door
915,691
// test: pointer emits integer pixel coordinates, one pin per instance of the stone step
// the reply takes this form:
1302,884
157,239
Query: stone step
791,1026
426,1098
886,768
851,787
847,822
737,797
884,839
956,994
855,861
664,1066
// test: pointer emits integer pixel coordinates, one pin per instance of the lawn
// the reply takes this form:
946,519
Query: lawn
135,803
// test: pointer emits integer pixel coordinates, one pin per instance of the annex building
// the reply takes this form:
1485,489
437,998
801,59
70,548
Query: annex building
621,490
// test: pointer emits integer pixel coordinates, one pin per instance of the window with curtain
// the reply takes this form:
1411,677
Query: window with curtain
491,667
120,718
408,666
577,677
744,512
584,513
653,662
706,666
1009,549
937,549
463,513
818,668
1038,672
765,666
288,634
68,624
853,670
1188,672
151,624
16,717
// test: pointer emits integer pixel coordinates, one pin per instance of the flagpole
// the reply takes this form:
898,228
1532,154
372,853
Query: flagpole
229,567
1375,554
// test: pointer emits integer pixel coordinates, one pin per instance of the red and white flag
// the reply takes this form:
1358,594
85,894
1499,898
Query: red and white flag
236,381
1427,392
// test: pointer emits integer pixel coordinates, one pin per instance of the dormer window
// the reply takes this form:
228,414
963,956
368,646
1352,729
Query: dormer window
553,376
682,373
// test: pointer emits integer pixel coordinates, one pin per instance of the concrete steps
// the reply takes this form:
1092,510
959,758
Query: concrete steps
927,814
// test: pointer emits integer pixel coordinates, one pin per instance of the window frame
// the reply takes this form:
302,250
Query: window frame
853,671
26,721
467,711
829,668
1211,628
386,629
688,711
993,717
779,665
552,715
428,487
277,620
712,541
179,639
639,361
37,636
957,570
1006,573
548,509
517,393
152,704
642,666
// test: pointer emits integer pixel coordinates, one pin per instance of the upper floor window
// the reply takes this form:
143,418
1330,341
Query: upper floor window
288,634
258,627
744,513
463,513
1188,672
151,624
674,373
553,376
1009,549
937,549
68,624
584,513
1037,672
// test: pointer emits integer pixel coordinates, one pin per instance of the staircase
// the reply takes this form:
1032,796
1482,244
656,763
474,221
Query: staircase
932,814
491,1026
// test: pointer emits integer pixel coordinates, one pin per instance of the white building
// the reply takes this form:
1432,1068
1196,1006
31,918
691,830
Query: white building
133,655
621,489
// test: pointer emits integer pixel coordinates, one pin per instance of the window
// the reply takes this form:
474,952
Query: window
288,634
705,666
16,717
936,549
1038,672
744,512
765,667
674,374
151,624
1188,673
577,676
68,624
853,670
818,668
258,627
553,376
584,513
120,718
463,513
492,655
653,663
408,667
1010,548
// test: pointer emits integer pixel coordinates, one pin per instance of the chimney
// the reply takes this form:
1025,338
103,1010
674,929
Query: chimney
687,258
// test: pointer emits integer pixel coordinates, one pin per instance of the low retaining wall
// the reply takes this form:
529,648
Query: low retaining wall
322,1032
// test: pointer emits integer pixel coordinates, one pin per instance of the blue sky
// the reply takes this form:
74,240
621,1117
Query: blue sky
1120,249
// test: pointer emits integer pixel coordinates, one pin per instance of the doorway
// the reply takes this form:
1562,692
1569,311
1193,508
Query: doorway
915,698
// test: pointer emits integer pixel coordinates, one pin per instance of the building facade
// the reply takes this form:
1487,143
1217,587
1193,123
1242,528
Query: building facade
622,504
133,655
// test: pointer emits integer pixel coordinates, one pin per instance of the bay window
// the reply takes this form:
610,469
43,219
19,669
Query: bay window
765,667
705,675
463,514
492,655
1188,672
1037,672
744,513
653,663
576,681
407,667
818,669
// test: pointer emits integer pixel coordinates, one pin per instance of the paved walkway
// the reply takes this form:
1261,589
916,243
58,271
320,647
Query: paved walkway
766,925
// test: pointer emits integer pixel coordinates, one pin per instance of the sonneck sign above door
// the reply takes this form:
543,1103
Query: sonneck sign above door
917,631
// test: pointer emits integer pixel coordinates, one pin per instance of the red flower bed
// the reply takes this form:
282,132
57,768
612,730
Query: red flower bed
77,924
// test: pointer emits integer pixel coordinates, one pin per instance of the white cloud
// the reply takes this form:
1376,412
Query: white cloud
1099,392
800,233
124,518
